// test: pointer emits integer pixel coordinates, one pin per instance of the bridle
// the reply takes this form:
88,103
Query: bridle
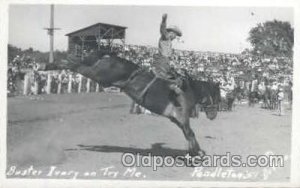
210,107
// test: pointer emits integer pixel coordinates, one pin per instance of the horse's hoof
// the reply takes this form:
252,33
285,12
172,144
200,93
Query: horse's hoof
201,153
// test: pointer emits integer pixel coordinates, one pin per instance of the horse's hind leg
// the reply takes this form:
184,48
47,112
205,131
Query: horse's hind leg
181,118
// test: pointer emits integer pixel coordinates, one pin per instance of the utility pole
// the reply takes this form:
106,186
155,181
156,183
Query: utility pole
50,30
51,33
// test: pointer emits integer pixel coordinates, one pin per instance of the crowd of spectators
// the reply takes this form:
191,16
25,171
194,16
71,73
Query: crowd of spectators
250,73
231,70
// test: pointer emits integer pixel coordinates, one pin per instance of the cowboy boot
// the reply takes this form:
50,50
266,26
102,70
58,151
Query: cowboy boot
176,89
176,86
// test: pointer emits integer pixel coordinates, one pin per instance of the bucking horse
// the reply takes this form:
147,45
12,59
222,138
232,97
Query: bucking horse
147,90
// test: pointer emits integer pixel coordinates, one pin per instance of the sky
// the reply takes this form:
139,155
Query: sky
217,29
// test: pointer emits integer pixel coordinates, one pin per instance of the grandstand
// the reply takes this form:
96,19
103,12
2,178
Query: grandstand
92,37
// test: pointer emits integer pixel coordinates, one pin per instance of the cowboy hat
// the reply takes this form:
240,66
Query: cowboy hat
175,29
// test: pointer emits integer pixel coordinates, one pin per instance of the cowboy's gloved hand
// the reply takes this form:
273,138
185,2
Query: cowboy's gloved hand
164,17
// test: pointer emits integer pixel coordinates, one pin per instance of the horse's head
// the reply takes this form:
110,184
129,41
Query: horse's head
210,99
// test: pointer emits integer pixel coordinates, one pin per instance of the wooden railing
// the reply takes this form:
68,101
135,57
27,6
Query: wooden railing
54,83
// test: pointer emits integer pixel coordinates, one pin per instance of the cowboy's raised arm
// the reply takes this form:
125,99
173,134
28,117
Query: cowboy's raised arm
163,27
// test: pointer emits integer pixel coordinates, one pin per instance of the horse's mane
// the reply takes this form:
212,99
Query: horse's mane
208,84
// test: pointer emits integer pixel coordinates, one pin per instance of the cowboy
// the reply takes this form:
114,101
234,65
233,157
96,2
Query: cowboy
280,98
162,67
254,83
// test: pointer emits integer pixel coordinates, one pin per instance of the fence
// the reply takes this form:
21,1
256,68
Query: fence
57,83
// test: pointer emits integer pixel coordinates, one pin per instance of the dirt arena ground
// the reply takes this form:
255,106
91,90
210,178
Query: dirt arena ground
85,136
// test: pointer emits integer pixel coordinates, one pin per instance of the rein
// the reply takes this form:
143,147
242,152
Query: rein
131,76
134,73
211,106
